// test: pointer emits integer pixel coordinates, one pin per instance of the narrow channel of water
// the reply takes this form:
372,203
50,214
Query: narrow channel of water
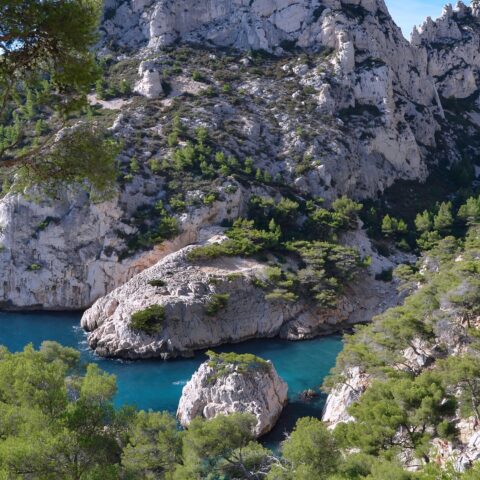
157,385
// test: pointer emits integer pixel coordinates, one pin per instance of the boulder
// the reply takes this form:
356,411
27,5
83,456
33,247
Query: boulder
221,387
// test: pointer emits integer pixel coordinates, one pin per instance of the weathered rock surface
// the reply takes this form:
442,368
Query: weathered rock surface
150,83
376,77
188,289
362,112
66,253
187,292
343,396
452,47
260,392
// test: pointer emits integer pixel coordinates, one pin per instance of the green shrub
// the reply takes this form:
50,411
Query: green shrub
34,267
217,302
281,294
209,198
177,204
242,363
157,282
155,165
148,321
43,225
197,76
243,239
256,282
386,275
234,276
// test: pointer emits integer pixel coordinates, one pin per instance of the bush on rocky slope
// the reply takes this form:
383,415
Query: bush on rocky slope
217,302
149,320
242,363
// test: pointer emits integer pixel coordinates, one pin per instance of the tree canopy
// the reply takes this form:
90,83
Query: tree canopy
47,67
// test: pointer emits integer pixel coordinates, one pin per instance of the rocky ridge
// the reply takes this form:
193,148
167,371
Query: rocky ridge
450,338
257,390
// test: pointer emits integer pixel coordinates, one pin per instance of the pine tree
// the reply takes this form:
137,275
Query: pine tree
52,40
248,168
443,220
470,211
423,222
389,226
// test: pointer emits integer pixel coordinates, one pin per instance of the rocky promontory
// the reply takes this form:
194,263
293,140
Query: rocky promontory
185,305
230,383
203,305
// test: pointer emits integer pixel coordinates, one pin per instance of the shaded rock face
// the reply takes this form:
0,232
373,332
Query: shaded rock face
259,392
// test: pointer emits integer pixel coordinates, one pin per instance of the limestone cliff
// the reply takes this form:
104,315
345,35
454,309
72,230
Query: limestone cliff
65,253
255,389
186,290
347,106
452,47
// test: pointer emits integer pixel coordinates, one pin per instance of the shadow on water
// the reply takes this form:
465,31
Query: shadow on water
294,410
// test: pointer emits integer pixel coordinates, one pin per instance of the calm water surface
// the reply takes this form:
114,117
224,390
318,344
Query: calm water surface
157,385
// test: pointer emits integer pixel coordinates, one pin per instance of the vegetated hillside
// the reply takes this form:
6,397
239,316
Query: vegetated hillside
406,385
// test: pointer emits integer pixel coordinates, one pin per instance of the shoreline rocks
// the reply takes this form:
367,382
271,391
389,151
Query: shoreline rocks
231,383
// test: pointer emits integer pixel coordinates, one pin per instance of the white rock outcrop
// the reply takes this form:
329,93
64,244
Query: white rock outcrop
343,396
187,292
190,287
451,46
259,391
150,83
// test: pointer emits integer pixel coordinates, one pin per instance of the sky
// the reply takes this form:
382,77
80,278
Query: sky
408,13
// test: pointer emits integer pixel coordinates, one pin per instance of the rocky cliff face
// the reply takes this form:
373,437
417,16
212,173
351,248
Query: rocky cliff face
343,396
452,47
66,253
450,338
374,76
259,391
347,106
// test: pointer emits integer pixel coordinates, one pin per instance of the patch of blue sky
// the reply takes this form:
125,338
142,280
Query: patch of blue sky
408,13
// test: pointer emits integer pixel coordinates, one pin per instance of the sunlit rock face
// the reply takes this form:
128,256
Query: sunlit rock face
375,113
260,392
377,73
452,47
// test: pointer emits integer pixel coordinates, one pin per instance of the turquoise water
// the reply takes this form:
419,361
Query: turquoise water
157,385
